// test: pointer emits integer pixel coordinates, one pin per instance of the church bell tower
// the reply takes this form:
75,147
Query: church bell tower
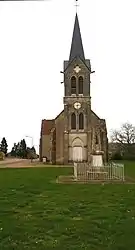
76,134
77,102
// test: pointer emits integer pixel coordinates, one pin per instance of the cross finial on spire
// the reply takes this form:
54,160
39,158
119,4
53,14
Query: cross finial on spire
76,5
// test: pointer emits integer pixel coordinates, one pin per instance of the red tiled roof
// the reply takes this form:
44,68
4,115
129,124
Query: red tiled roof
46,126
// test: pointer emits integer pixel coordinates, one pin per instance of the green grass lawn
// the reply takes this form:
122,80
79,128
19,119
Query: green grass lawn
37,213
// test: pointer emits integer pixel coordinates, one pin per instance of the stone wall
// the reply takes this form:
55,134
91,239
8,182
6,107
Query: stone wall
85,73
59,123
53,146
46,147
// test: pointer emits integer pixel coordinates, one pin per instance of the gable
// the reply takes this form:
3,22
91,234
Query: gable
97,121
77,60
46,126
94,115
61,115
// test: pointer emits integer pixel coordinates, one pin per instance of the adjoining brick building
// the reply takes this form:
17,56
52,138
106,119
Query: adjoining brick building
77,132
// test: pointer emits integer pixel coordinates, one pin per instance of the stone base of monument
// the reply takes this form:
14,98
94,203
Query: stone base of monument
97,159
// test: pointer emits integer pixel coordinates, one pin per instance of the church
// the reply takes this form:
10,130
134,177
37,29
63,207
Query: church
77,133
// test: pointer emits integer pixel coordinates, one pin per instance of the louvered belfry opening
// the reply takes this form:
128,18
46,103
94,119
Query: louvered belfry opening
73,85
80,85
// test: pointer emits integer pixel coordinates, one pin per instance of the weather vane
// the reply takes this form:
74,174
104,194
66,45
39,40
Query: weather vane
76,4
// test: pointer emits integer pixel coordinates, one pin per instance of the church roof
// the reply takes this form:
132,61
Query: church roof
76,46
59,114
48,125
95,115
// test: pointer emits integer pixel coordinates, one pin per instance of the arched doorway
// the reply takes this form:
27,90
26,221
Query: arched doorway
77,150
77,154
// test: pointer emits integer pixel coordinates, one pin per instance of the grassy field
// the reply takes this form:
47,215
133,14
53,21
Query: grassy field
37,213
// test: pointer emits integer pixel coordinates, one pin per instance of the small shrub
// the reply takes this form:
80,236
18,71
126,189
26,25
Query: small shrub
116,156
2,156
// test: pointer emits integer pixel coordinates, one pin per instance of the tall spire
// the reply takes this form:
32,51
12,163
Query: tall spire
76,46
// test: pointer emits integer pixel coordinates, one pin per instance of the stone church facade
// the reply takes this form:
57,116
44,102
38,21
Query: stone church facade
77,132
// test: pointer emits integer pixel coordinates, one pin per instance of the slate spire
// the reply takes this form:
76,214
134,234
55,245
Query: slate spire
76,46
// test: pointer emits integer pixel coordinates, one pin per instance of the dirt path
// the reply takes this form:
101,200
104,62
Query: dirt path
17,163
24,163
12,161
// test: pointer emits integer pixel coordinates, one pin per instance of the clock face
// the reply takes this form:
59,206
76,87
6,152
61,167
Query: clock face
77,105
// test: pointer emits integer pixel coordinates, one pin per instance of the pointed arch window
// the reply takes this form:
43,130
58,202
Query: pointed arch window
73,121
96,139
80,85
81,121
73,85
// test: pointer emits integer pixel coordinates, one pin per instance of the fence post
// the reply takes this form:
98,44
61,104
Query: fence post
75,170
123,174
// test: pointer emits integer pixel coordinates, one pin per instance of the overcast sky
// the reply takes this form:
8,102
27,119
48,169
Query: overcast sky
35,38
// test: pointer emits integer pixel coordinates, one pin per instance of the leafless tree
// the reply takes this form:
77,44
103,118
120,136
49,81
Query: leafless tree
125,135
